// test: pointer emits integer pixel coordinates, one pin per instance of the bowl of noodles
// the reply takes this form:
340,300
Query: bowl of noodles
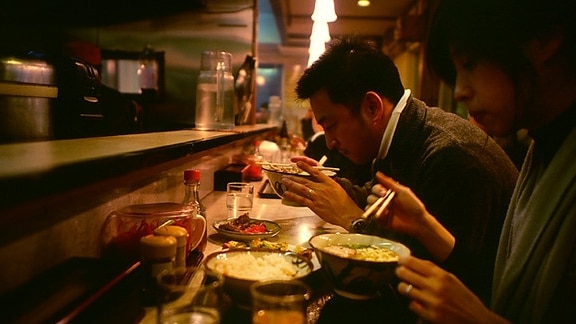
357,265
275,171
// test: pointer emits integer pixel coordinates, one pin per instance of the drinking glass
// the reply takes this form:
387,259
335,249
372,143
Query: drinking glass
189,295
279,302
239,198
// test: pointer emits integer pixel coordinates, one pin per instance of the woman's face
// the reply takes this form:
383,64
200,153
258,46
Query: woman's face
488,93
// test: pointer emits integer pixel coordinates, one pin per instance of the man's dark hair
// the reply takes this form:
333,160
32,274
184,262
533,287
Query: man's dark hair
348,69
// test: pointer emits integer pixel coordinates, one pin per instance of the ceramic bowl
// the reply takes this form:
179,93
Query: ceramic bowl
350,277
274,173
240,268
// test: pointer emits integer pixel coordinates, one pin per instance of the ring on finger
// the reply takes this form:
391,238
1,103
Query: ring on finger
408,290
309,193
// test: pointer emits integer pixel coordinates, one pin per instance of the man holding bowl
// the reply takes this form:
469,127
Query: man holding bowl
460,173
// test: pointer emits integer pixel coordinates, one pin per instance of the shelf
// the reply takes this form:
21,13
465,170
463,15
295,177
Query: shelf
39,169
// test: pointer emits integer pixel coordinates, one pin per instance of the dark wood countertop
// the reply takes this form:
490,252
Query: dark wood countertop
38,169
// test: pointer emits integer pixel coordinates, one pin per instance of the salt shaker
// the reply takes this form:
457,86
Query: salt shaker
158,254
181,235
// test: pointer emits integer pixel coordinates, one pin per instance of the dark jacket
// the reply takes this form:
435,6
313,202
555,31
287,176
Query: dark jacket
463,177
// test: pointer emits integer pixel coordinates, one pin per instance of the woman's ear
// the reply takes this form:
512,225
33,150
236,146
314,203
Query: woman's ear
545,46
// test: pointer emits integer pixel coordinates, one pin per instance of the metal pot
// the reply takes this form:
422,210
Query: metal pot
28,93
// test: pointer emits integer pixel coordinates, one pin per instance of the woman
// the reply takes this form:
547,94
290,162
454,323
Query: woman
512,63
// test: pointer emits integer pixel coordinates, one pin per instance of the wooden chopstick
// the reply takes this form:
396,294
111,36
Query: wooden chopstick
273,163
319,167
381,202
385,204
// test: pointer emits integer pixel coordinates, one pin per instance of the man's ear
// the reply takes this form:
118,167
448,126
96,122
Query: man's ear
376,107
372,103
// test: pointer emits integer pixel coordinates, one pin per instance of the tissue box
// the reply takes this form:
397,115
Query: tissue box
231,173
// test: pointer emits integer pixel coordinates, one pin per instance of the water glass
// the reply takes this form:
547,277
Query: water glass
279,302
239,198
189,295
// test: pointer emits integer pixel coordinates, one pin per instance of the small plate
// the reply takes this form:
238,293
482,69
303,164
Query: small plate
272,230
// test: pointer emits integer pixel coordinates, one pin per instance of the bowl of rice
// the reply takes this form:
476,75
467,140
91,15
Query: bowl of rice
240,268
357,265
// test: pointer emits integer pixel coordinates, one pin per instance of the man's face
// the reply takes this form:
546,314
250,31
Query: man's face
352,135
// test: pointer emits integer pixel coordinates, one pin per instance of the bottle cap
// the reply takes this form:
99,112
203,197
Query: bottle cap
179,232
158,247
192,174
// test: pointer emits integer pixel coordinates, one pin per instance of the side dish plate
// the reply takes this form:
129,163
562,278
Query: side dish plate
272,229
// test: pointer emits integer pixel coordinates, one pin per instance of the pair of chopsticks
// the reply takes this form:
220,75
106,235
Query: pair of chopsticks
319,167
381,203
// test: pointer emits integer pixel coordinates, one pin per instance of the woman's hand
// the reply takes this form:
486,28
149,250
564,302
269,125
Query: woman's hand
407,214
322,195
437,296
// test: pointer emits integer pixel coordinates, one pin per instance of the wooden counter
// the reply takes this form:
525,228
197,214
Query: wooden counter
56,195
298,224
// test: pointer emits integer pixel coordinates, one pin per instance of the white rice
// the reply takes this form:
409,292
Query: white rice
248,266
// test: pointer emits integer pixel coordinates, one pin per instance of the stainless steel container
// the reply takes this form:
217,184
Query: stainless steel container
28,93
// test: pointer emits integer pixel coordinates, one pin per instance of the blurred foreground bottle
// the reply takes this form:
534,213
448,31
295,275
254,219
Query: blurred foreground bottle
284,143
275,109
192,198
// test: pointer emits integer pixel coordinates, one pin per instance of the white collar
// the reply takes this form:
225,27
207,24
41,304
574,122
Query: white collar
392,123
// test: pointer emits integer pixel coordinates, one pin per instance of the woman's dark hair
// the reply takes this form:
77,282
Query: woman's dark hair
494,31
348,69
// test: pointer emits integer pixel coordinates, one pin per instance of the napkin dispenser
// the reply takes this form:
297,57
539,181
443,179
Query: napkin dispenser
231,173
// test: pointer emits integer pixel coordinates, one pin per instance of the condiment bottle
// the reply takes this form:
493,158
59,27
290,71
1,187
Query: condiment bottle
148,72
192,198
158,254
284,143
181,235
275,109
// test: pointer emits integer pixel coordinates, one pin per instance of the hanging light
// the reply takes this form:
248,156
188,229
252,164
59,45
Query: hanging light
363,3
320,31
323,14
317,47
324,11
320,35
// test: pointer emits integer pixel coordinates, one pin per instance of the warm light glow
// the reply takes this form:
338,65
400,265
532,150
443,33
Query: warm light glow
323,14
260,80
317,47
363,3
320,32
324,11
304,232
